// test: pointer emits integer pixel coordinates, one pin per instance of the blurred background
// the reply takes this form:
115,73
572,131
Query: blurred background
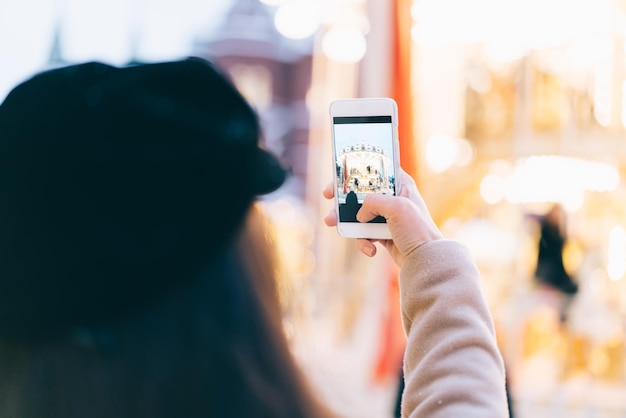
507,107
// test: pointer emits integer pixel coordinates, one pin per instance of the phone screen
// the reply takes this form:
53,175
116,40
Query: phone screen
364,153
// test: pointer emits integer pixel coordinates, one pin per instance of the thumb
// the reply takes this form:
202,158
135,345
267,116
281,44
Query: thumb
379,205
409,225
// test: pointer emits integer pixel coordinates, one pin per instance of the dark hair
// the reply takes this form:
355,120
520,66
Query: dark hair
216,348
104,178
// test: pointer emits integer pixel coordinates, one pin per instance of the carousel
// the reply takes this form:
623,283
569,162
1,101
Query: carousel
365,169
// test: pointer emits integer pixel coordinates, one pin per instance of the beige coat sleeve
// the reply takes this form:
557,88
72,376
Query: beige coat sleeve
452,365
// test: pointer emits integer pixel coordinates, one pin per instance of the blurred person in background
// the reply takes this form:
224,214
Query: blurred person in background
550,270
131,287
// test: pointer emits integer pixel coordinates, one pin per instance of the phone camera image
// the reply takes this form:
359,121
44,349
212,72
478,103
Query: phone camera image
363,162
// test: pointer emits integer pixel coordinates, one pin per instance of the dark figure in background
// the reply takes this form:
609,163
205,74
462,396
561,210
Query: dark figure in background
550,270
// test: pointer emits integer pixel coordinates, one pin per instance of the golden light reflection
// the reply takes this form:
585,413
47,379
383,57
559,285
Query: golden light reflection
492,189
554,178
443,152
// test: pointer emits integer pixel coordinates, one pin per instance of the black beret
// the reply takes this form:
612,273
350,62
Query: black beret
116,185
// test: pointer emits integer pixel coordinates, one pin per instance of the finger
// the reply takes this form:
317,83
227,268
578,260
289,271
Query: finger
331,218
366,246
380,205
329,190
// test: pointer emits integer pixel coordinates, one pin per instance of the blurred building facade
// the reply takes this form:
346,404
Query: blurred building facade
274,73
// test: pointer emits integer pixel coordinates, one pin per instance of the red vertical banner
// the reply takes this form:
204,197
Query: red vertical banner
401,84
393,341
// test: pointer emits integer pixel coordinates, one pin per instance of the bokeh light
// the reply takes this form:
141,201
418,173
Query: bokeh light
492,188
298,19
344,45
555,178
444,152
441,152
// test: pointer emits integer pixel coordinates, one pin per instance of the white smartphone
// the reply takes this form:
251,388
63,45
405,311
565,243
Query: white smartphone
366,160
